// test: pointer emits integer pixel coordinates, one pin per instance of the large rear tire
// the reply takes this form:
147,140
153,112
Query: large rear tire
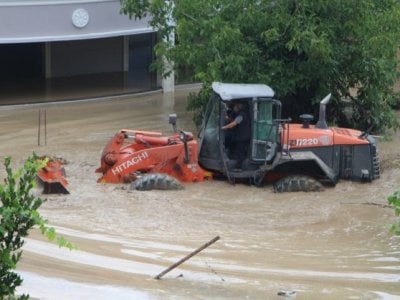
297,183
156,181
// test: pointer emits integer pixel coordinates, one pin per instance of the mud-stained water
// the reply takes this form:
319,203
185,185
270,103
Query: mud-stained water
323,245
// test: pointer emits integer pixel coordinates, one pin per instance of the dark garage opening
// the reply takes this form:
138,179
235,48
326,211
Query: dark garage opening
76,69
21,72
21,61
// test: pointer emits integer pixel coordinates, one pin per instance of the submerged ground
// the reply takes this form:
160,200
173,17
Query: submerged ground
324,245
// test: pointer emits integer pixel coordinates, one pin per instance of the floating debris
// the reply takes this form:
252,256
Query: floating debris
287,293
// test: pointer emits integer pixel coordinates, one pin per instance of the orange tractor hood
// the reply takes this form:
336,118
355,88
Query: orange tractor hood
297,136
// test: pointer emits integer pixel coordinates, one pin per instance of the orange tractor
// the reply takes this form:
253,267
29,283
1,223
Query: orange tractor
278,151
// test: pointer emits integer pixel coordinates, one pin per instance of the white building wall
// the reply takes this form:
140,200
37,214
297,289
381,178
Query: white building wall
44,21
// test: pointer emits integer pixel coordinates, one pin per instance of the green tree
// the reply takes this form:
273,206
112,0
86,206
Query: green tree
303,49
18,214
394,201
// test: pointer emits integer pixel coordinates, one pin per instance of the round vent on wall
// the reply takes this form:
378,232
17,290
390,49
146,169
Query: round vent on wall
80,17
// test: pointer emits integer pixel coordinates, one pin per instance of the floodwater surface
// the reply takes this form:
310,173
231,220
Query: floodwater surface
333,244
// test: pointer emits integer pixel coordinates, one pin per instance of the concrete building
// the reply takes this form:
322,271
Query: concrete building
72,49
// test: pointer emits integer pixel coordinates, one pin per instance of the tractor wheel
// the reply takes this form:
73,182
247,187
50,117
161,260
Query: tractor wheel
156,181
297,183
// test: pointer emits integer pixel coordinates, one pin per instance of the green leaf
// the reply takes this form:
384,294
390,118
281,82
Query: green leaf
51,233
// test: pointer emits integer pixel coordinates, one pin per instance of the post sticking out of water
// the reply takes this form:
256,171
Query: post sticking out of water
44,117
187,257
45,127
38,133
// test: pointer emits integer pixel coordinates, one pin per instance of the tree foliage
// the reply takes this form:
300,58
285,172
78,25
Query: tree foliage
303,49
18,214
394,201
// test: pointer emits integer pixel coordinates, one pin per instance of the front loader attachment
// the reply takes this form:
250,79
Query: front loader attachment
131,153
51,177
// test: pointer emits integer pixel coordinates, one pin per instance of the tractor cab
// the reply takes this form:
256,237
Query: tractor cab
262,144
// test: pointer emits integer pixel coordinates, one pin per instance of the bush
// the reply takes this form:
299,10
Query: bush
394,201
18,214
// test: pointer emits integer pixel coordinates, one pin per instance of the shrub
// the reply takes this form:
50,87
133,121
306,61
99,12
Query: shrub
18,214
394,201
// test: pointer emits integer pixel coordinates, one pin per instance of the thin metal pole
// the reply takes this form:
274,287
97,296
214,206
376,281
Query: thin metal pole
38,141
45,127
187,257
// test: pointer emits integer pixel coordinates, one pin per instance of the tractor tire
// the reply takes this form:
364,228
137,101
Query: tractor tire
297,183
156,181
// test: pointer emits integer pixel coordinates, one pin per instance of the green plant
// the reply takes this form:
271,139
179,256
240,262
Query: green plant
18,214
303,49
394,201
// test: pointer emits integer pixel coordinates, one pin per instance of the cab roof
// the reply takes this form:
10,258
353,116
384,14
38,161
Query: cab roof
232,91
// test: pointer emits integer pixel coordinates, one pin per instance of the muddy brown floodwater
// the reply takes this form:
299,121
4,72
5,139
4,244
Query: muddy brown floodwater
321,245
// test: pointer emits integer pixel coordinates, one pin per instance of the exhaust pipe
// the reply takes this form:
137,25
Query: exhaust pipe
322,112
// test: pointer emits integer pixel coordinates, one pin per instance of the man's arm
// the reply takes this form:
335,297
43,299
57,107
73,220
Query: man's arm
230,125
235,122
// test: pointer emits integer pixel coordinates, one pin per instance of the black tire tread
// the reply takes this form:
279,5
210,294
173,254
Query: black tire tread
156,181
297,183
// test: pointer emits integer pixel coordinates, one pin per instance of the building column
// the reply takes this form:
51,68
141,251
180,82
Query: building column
125,54
47,70
125,61
168,83
47,60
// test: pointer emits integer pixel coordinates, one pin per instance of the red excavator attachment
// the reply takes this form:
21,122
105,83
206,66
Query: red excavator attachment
133,152
52,177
